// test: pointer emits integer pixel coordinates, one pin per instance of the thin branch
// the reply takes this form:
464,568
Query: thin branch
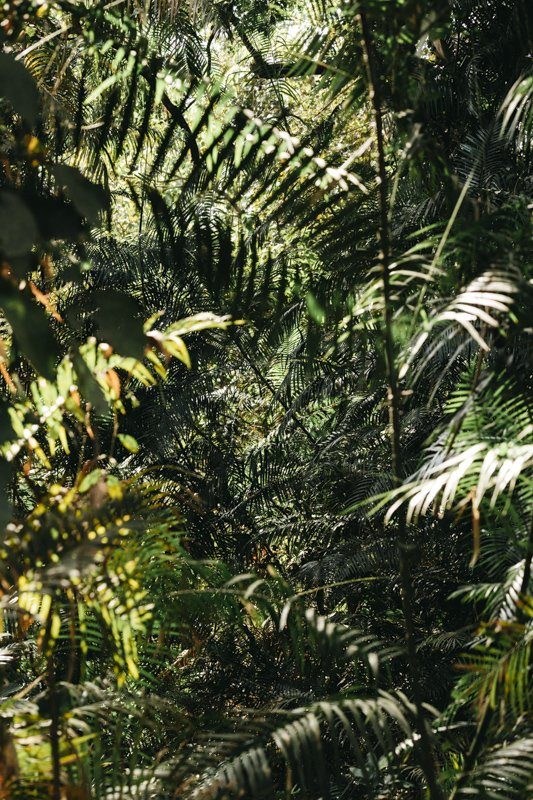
262,379
54,729
524,588
425,748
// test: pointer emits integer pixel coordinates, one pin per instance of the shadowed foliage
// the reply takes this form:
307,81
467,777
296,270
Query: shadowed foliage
265,399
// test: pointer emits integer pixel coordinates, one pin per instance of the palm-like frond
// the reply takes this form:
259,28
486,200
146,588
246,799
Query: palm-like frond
505,771
384,364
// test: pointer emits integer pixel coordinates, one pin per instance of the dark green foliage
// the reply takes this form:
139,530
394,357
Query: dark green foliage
286,554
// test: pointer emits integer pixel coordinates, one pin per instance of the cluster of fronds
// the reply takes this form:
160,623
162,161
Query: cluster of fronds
290,555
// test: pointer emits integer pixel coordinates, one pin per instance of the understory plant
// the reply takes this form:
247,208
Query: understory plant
266,379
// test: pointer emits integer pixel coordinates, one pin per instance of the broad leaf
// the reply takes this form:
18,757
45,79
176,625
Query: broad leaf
129,442
18,229
88,198
88,385
119,324
31,328
18,87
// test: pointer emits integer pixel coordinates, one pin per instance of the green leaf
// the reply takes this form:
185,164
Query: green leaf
88,198
88,385
56,218
118,321
129,442
31,328
91,479
18,87
316,311
18,229
6,426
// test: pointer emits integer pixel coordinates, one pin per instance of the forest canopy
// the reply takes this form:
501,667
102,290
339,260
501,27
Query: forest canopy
266,381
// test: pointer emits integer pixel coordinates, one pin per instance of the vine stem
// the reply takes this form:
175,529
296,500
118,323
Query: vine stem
425,748
524,587
54,729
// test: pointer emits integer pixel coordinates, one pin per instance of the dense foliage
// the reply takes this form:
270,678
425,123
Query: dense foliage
266,381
